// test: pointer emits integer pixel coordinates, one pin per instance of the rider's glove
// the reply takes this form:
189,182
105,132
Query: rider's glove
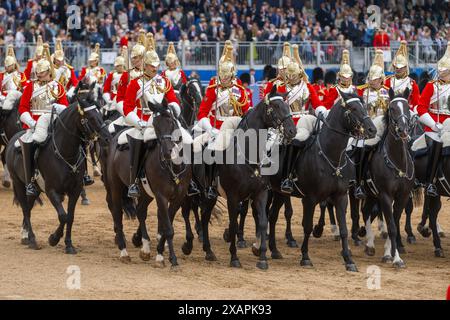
28,120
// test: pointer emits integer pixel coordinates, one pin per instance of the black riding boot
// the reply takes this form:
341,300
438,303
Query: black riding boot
432,165
359,189
287,185
87,179
211,192
135,154
28,150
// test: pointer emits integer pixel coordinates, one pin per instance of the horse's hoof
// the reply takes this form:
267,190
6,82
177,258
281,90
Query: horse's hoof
276,255
52,240
85,202
357,242
226,235
351,267
399,264
235,264
369,251
317,231
336,238
262,265
145,256
384,235
25,241
34,245
439,253
441,234
411,239
292,243
6,184
125,259
386,259
174,262
306,263
70,250
136,240
187,248
210,256
424,231
242,244
255,250
362,231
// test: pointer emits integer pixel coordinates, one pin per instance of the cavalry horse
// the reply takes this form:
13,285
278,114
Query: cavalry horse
324,171
245,180
9,125
60,162
164,178
389,179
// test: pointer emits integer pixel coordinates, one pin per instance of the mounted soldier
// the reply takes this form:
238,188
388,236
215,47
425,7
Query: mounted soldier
94,72
433,111
12,82
64,73
221,110
174,72
282,65
344,84
376,99
30,70
401,80
111,85
150,87
40,99
301,96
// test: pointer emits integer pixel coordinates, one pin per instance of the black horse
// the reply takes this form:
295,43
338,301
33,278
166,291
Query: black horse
243,180
390,177
324,172
60,161
9,125
190,97
167,180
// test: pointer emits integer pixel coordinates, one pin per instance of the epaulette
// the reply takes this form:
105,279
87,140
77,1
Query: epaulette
212,85
69,66
385,87
24,78
390,76
240,86
363,86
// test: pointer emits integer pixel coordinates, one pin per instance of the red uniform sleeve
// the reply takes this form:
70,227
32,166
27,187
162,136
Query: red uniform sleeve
28,69
268,88
171,95
62,99
107,85
183,77
206,104
244,98
415,95
313,97
82,73
122,87
24,104
1,81
330,98
73,79
425,97
129,103
360,92
250,97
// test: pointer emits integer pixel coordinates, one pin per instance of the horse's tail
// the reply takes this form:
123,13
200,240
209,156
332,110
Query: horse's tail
219,209
417,197
128,207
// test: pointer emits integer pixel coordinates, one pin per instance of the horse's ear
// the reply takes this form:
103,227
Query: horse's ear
406,93
391,93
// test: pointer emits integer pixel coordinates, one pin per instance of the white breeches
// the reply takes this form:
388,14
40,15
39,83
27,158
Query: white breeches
118,122
40,132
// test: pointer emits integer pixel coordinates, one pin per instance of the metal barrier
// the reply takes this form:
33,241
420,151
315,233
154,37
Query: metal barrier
206,55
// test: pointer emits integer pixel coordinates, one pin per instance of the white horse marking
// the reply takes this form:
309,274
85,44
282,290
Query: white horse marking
159,258
145,246
24,233
123,253
369,234
335,230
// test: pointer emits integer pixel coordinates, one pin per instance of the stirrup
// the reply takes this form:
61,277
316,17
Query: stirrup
87,180
432,190
359,193
211,193
31,190
193,190
133,191
287,186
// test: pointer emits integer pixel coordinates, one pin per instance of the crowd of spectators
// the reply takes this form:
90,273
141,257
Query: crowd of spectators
114,23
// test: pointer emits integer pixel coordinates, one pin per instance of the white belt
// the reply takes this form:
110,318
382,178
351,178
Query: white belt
440,111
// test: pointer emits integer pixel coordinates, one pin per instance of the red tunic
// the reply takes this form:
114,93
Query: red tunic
207,108
331,95
122,87
29,68
132,101
83,72
23,82
424,105
321,90
250,97
414,95
73,82
25,100
182,74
